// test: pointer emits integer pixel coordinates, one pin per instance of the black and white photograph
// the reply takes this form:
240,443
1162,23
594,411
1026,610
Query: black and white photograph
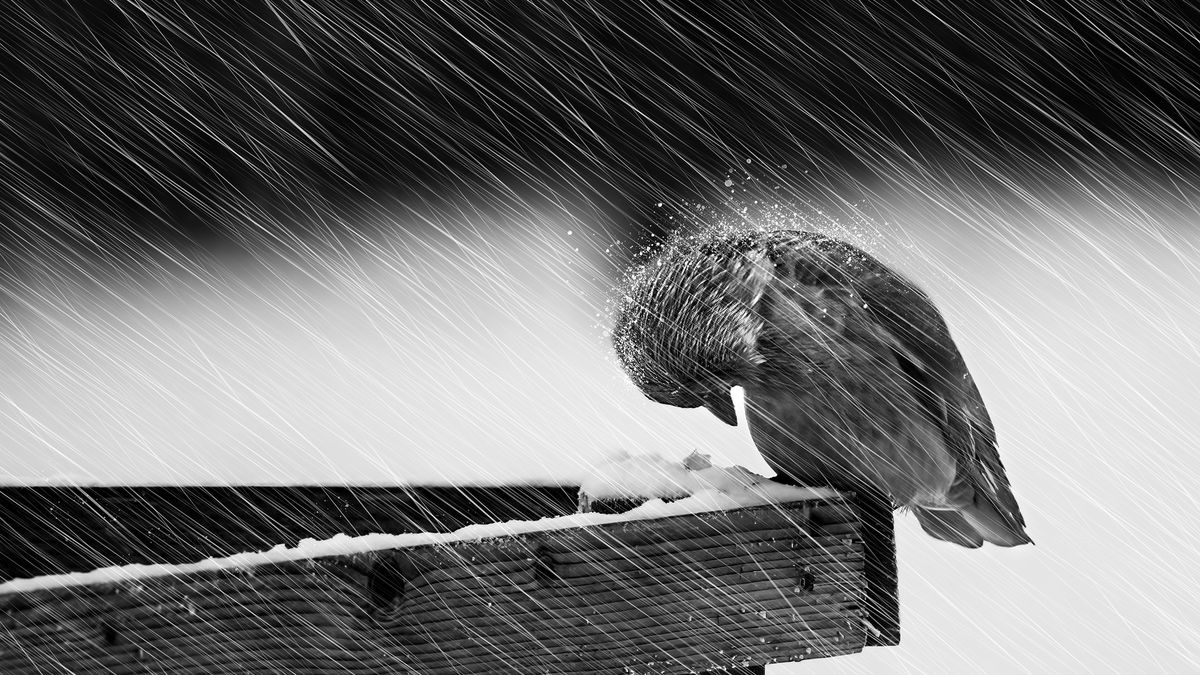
628,337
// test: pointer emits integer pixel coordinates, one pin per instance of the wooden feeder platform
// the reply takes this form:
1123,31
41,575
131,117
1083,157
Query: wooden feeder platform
686,593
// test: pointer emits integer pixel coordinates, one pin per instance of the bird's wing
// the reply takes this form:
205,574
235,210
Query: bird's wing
907,320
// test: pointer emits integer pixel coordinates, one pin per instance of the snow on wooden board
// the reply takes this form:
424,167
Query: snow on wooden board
673,587
696,485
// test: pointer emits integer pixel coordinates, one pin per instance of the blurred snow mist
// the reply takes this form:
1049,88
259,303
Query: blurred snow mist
430,352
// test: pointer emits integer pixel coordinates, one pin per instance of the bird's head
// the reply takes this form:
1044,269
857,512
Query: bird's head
686,329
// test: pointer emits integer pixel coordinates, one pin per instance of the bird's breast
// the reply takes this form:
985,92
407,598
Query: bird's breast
849,424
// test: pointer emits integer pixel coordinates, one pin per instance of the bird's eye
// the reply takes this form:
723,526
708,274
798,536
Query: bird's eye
680,397
684,398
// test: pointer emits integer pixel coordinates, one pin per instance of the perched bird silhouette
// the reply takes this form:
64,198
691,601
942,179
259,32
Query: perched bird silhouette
851,378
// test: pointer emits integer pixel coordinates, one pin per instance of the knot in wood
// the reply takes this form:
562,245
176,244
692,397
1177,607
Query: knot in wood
544,570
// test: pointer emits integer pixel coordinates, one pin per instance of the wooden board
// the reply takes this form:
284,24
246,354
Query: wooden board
671,595
51,530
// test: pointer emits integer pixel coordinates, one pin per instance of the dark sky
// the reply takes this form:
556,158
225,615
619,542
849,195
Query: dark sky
171,121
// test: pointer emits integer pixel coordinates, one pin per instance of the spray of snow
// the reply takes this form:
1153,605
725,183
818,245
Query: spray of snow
653,476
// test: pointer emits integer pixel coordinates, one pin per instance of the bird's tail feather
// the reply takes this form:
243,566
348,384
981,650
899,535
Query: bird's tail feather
988,521
948,526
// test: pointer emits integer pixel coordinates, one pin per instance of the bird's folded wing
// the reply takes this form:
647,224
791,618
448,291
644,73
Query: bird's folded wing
935,371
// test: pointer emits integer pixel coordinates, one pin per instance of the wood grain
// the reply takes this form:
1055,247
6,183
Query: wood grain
671,595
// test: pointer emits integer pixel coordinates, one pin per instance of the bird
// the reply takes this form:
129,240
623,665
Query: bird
850,376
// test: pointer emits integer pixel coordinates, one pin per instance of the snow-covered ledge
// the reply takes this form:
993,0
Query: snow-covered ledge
719,568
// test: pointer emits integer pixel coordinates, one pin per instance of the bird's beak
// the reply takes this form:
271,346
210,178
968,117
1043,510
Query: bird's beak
721,405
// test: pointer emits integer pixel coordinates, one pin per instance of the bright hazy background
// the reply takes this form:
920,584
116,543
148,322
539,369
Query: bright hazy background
470,348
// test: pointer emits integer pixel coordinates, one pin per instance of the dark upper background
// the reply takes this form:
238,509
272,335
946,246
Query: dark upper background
125,125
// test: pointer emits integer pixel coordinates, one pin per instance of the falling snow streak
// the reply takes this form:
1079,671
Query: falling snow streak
179,117
352,243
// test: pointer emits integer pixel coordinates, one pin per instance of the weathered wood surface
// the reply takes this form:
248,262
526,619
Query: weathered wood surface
51,530
678,594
